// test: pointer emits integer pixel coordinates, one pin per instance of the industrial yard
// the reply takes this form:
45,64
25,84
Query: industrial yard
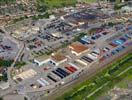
77,53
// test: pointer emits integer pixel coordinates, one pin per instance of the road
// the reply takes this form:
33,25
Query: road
14,62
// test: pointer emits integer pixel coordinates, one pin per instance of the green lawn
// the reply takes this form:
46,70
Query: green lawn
50,4
7,1
89,1
59,3
124,83
43,5
101,82
20,64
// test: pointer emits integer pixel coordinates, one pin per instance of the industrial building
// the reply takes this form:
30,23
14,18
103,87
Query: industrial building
57,59
41,60
78,49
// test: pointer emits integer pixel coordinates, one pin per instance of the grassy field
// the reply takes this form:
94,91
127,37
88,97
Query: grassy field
60,3
101,82
7,1
49,4
89,1
124,83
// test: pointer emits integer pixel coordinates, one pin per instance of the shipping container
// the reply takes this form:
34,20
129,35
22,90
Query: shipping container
94,54
70,69
127,36
64,75
51,78
123,39
58,74
112,44
46,82
83,42
87,59
64,71
73,68
40,82
92,57
73,65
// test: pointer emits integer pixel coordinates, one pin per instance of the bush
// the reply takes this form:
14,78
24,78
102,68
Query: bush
6,63
1,98
20,64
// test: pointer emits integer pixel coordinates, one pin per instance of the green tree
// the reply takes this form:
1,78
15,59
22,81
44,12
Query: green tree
1,98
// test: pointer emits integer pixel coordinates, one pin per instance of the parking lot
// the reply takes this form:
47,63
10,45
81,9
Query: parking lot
8,48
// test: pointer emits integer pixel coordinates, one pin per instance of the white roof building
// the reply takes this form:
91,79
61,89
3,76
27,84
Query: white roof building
127,8
4,85
42,60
